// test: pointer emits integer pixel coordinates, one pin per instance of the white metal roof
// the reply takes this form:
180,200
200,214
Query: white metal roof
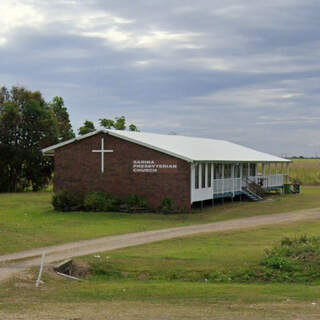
186,148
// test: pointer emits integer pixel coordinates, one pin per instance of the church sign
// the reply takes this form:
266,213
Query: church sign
154,166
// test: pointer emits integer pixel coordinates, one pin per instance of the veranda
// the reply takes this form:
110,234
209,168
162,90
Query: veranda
218,180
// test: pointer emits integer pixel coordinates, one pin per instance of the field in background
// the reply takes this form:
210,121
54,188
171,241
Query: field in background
306,171
27,220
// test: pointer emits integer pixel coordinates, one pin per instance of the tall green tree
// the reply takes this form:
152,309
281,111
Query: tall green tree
87,127
27,124
62,116
119,124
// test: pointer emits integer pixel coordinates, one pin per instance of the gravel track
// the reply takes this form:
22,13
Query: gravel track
10,264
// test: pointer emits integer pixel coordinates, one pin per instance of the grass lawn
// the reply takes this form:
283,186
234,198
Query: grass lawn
27,220
195,258
159,297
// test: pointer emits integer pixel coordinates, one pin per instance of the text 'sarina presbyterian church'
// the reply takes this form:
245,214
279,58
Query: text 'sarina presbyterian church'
185,169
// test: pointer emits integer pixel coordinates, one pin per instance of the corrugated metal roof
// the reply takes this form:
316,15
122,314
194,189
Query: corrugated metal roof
186,148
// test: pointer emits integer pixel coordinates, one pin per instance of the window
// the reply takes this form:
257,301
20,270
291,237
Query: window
253,169
203,175
196,175
209,174
227,170
244,169
245,172
237,171
217,171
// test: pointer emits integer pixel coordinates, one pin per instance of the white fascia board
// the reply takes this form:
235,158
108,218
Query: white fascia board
49,151
112,133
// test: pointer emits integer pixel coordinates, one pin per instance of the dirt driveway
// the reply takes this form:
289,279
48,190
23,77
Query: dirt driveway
10,264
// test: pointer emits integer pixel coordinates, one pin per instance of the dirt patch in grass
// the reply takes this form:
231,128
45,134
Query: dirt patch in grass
78,269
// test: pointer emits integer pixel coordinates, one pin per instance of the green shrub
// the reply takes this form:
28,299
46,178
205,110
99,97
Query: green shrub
66,200
166,206
136,203
277,262
100,201
293,260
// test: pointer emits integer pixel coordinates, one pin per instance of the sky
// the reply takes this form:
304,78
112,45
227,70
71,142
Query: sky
245,71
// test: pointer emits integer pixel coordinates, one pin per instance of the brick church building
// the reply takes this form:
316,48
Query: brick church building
156,166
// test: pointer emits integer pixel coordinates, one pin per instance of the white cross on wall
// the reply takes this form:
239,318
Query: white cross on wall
102,154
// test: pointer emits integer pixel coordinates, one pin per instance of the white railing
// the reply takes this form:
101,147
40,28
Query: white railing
218,186
237,184
230,185
253,178
274,180
226,185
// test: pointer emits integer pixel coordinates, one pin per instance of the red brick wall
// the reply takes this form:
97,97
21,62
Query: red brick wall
77,168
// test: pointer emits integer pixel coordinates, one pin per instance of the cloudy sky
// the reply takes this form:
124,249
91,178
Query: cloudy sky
246,71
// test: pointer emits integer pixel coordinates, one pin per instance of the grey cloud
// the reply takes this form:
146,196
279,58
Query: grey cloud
243,71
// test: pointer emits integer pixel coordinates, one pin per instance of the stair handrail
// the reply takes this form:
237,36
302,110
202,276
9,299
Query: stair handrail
251,194
253,187
294,185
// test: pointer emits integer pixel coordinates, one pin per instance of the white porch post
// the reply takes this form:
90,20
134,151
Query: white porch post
212,178
256,174
222,176
200,175
287,178
232,176
206,174
241,176
269,173
193,178
263,174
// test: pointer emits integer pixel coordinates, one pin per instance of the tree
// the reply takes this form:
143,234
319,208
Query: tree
106,123
87,127
133,127
27,124
119,124
62,117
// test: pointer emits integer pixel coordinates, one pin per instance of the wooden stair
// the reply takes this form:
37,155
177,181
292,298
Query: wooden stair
252,190
294,186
